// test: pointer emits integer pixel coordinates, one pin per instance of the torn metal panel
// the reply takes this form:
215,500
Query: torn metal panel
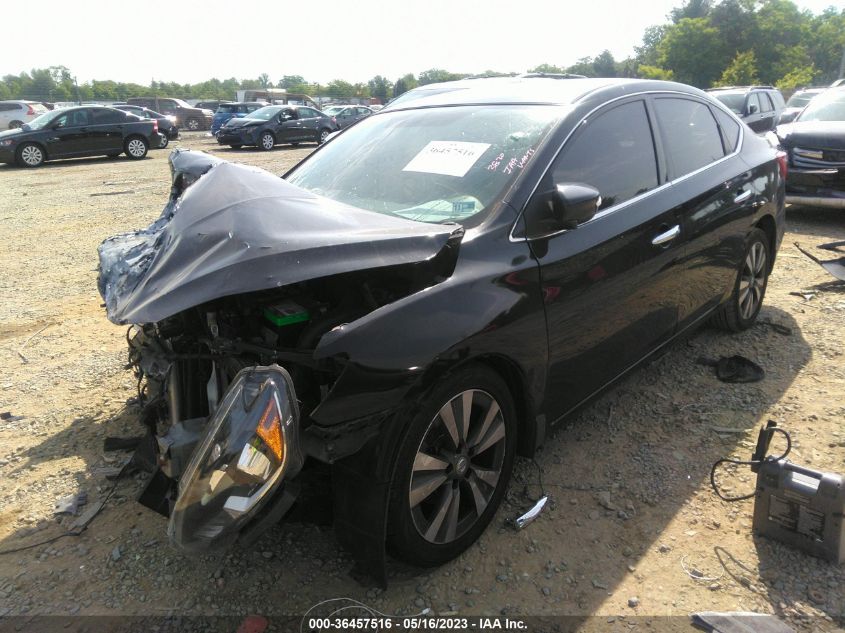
241,229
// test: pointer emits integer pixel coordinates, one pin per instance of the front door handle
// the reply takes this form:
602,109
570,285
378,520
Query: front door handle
666,236
742,197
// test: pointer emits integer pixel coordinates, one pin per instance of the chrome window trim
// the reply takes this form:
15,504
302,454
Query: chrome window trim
617,207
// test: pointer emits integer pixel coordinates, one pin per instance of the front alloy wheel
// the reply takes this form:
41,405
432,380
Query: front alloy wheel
453,467
192,124
267,141
460,457
30,155
324,134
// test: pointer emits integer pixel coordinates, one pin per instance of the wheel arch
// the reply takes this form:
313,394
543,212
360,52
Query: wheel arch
768,226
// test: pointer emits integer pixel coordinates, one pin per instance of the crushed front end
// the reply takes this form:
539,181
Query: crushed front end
227,295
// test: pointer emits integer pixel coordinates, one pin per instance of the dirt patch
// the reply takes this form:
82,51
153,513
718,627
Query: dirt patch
632,519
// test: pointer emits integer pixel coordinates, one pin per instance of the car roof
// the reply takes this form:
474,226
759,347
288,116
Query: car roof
527,89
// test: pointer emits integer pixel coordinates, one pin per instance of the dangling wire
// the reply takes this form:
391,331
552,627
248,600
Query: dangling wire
753,462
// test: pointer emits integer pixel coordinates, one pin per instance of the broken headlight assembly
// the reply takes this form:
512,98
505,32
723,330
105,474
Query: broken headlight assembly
250,447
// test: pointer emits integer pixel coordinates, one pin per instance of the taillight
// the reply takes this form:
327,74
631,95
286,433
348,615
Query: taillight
155,125
29,111
783,163
334,120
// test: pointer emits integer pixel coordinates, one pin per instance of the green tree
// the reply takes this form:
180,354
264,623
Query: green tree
742,71
380,87
437,75
404,84
548,68
797,78
604,65
648,52
339,89
264,81
655,72
688,49
691,9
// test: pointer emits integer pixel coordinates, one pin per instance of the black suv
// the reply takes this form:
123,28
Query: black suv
758,106
187,117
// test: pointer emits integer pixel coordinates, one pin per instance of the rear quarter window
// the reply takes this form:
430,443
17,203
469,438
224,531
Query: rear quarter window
730,129
690,135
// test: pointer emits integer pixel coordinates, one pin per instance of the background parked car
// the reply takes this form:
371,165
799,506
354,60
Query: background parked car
797,102
166,123
209,105
228,111
13,114
187,117
77,132
758,106
270,125
346,115
815,141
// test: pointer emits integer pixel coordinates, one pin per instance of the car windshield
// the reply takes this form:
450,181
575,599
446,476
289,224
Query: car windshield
41,121
430,165
265,114
332,110
828,106
799,100
182,104
733,100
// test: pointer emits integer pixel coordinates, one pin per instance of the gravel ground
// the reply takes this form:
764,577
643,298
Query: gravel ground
633,532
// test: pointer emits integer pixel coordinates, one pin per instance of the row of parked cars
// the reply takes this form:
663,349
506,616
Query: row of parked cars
36,134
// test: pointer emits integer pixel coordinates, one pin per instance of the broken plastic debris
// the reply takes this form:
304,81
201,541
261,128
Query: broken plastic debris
522,521
71,503
734,369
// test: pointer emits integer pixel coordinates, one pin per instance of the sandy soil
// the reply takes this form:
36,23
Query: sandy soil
633,533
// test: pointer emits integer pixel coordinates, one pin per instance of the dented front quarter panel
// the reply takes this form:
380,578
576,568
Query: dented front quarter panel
489,309
240,229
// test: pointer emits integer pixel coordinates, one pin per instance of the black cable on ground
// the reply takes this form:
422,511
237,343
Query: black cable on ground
753,462
52,539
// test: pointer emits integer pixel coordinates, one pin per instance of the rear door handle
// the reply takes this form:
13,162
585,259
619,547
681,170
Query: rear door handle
666,236
742,197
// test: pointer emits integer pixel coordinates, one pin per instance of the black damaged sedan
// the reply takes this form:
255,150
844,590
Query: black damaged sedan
418,301
271,125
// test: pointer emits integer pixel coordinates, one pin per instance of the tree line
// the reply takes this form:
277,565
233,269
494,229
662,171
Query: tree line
702,43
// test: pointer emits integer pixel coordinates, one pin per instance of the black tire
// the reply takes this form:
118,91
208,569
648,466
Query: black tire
235,145
324,133
428,522
136,147
266,141
192,124
14,125
30,155
741,310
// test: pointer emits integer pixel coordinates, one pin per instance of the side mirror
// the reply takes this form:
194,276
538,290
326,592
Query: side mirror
562,208
574,204
753,108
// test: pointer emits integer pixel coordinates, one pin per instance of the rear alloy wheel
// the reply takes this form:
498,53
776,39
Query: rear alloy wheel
741,310
136,148
192,124
324,134
164,141
267,141
453,467
30,155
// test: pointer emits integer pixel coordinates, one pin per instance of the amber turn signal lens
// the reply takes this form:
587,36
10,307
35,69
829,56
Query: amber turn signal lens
269,429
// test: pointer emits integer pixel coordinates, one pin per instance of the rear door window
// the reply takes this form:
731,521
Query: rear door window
765,102
690,134
730,129
614,153
107,117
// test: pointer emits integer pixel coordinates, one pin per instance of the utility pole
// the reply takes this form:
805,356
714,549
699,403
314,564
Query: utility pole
842,65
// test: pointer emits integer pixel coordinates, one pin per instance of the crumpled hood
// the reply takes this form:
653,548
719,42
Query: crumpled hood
241,229
813,134
243,122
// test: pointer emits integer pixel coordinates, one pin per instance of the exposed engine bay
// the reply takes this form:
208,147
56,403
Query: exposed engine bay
229,293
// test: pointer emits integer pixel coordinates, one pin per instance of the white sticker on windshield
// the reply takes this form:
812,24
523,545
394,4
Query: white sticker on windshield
450,158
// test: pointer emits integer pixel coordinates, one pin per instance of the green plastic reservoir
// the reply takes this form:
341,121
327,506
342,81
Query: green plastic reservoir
286,313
